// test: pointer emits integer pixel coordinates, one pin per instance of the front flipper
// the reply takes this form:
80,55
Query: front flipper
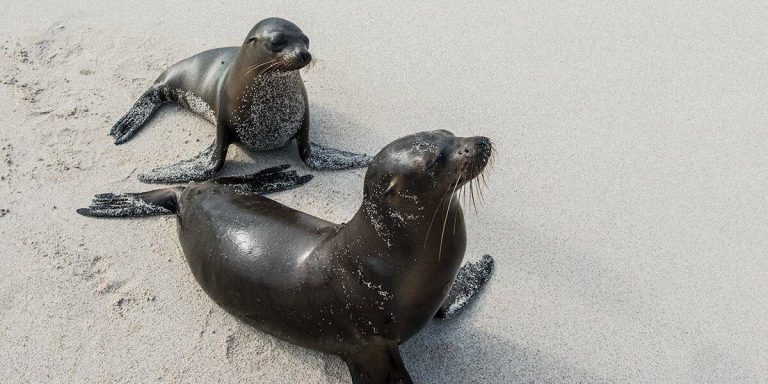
274,179
471,277
201,167
378,364
325,158
321,158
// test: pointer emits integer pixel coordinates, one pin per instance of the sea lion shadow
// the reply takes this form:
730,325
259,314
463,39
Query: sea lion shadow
327,123
453,351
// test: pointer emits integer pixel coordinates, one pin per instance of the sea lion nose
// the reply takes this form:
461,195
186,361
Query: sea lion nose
481,143
484,143
476,146
305,57
484,147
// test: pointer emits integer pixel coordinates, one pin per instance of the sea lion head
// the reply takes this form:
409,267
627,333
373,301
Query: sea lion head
277,45
423,168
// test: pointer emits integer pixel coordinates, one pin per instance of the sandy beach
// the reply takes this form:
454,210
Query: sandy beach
627,210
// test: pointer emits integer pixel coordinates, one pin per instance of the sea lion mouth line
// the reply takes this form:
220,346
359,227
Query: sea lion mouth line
293,62
282,63
268,64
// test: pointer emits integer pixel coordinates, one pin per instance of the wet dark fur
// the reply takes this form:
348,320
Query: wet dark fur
357,290
253,93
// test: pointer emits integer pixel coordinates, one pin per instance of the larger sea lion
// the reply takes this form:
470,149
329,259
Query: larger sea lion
253,93
357,290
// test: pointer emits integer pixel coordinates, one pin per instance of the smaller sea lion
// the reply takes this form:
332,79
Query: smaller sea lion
253,93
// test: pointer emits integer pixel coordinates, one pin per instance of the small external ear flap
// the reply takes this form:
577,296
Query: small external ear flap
391,187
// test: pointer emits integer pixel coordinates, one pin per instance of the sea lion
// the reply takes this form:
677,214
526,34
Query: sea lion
357,290
253,93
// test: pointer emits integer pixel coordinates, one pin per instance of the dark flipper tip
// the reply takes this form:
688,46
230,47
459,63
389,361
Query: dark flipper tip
487,264
305,179
121,139
84,212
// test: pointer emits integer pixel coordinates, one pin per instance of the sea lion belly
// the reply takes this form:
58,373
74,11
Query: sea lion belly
274,114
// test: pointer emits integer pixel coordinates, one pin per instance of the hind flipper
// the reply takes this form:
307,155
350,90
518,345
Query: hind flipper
152,203
269,180
471,277
138,115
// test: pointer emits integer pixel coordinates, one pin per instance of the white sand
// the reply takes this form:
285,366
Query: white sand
627,213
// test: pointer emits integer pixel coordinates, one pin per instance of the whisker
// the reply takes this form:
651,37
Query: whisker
464,193
310,65
254,67
257,66
472,195
267,62
447,210
456,216
471,182
433,219
479,190
482,177
271,66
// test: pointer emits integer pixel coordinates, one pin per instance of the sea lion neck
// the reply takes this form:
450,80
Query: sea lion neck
411,232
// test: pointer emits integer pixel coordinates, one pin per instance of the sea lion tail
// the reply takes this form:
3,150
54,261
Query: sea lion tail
153,203
138,115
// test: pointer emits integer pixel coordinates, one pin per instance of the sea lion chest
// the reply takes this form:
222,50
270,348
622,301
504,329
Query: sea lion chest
271,111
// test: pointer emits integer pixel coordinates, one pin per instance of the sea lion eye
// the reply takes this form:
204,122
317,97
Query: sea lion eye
277,44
